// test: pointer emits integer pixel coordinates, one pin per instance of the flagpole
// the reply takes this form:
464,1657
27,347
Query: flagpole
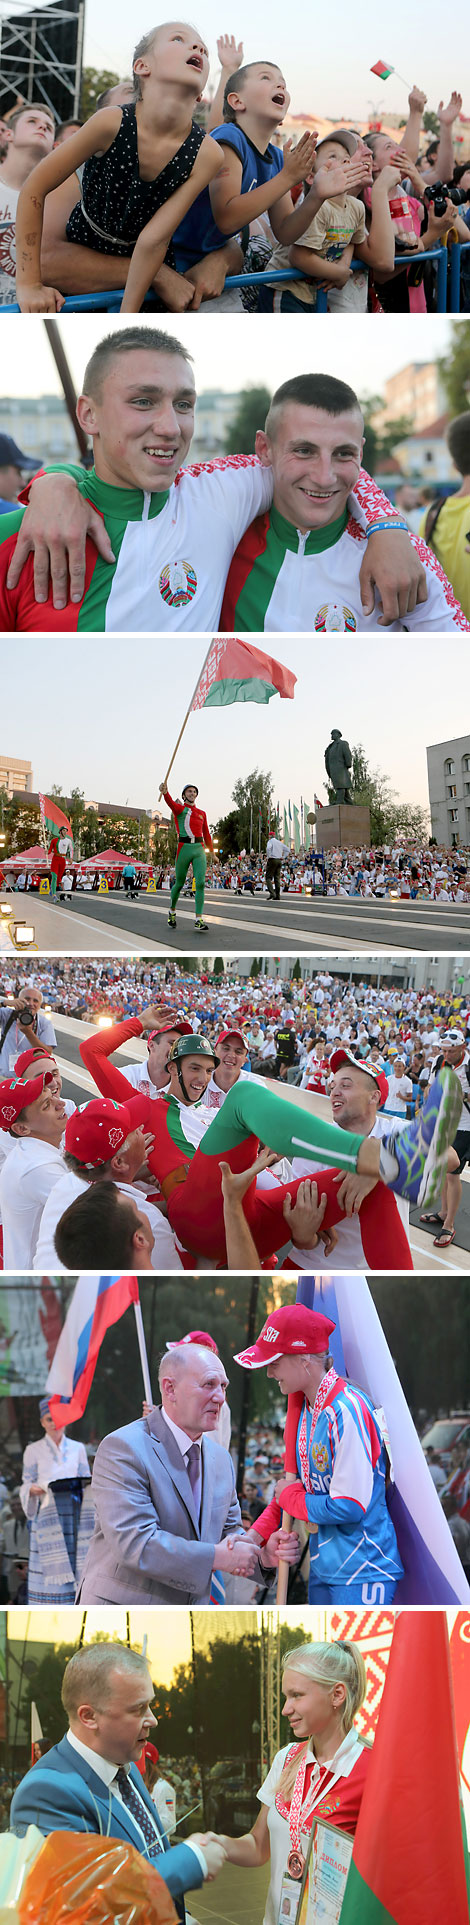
283,1567
143,1351
164,784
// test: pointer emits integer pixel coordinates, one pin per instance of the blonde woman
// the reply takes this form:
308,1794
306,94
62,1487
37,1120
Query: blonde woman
320,1775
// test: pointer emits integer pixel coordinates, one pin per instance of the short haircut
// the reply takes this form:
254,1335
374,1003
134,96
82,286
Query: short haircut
458,441
31,107
103,99
234,85
125,341
175,1361
88,1678
101,1220
313,391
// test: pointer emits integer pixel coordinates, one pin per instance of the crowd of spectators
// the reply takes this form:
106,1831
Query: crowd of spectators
246,199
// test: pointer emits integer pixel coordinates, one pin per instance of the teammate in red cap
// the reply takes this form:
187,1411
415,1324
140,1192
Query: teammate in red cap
341,1462
232,1052
34,1115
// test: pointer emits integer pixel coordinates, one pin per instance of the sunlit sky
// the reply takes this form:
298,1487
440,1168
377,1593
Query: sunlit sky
168,1632
108,722
231,352
325,57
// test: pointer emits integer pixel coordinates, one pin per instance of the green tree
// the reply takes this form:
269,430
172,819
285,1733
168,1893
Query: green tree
431,124
251,414
454,368
379,445
95,81
219,966
24,827
249,796
297,972
227,830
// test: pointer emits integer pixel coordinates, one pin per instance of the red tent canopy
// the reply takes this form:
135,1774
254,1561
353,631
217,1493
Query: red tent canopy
34,858
112,859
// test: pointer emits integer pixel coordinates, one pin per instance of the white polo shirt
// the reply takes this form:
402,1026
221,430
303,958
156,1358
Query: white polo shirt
29,1174
349,1253
164,1253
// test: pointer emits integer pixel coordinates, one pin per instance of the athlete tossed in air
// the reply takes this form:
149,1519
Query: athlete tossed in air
194,837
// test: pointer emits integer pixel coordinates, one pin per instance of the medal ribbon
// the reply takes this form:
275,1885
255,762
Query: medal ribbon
293,1812
323,1393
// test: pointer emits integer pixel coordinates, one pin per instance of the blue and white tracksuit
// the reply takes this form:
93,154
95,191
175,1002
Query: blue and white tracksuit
354,1557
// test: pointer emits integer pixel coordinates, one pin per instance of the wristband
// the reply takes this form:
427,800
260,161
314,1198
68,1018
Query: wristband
381,527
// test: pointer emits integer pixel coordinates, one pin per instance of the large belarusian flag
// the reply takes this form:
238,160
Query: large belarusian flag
234,671
408,1863
382,70
53,818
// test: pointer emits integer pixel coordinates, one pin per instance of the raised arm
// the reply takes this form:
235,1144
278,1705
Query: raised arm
230,56
232,209
410,137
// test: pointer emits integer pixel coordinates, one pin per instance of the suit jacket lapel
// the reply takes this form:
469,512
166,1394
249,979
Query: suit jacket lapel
74,1762
166,1449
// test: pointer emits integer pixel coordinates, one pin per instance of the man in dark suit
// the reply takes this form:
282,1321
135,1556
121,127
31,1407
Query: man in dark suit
90,1782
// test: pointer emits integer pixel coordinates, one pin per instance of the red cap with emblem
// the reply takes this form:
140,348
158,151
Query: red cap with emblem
290,1331
97,1130
16,1096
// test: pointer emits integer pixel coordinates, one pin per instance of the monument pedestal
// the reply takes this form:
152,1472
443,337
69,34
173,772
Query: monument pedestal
343,825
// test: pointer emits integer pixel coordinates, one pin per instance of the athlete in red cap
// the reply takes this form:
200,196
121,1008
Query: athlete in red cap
339,1492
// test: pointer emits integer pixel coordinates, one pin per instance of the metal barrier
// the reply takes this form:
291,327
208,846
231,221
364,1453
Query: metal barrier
110,302
457,248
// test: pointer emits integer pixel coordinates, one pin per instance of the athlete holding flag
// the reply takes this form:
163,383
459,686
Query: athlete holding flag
194,837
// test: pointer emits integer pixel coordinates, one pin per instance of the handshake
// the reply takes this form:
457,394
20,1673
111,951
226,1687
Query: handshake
213,1848
241,1554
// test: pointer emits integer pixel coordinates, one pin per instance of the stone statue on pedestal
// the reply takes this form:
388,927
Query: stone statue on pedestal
338,759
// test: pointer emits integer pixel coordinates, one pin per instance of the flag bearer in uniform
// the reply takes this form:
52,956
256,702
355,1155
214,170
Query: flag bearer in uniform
341,1461
194,837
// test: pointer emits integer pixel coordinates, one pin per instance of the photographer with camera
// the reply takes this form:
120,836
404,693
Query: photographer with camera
22,1024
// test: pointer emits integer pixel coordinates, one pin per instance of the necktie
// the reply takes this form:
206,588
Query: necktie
193,1461
138,1810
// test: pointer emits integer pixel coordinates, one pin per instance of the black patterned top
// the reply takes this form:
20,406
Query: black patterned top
116,204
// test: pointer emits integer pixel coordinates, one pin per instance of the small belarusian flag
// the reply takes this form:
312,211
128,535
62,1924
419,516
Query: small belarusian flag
382,70
236,672
318,804
53,818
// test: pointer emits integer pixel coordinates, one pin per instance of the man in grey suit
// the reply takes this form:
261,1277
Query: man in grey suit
89,1782
167,1513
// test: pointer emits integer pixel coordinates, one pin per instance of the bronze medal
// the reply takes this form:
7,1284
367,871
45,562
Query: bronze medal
296,1864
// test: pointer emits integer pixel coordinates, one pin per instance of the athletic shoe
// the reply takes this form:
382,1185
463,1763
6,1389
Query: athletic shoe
171,919
200,924
421,1149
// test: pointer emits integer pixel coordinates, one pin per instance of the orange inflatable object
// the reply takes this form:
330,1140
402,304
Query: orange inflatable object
90,1880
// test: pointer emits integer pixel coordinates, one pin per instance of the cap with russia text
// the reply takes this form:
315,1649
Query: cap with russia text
290,1331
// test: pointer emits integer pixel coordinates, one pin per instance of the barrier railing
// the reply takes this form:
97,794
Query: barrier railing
456,250
109,302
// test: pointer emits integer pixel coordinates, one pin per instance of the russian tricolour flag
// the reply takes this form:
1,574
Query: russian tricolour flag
97,1302
433,1572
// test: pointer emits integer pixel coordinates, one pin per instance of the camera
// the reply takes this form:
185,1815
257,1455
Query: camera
439,194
